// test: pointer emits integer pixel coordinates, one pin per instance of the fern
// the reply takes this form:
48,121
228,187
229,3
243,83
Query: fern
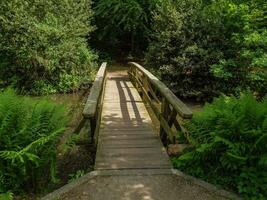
76,175
70,143
229,139
6,196
29,132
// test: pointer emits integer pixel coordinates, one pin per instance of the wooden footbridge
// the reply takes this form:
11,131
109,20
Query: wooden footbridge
131,161
121,125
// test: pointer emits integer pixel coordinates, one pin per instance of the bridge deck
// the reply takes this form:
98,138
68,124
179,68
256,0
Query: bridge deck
126,137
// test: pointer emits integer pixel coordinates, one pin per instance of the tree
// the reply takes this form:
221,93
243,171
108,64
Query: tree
203,48
123,24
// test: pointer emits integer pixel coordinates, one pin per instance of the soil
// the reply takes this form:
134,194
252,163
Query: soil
81,156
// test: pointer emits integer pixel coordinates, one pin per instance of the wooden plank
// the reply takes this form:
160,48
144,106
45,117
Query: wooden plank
120,129
125,105
129,144
127,137
119,115
132,165
126,132
141,127
131,151
132,141
133,159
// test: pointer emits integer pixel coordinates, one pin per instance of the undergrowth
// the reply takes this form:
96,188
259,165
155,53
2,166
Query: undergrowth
229,145
29,132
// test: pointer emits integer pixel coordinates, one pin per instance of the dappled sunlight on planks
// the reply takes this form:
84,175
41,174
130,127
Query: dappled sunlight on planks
126,138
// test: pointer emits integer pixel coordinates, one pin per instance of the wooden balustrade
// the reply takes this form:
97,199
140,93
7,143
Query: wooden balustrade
169,110
93,106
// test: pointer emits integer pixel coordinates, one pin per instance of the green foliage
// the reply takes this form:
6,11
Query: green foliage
43,46
6,196
229,145
202,48
242,61
175,51
70,143
76,175
29,131
123,24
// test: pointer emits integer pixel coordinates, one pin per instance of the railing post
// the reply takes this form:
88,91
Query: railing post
137,78
164,114
145,83
92,129
133,71
145,87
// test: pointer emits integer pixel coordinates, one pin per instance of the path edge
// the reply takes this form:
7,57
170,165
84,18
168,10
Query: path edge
209,187
69,186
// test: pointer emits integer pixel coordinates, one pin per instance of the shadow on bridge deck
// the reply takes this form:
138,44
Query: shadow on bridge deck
127,139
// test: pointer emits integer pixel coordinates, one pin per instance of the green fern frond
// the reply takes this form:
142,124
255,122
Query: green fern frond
229,139
29,132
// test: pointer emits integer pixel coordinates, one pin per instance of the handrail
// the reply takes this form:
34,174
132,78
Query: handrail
178,105
165,105
95,93
93,106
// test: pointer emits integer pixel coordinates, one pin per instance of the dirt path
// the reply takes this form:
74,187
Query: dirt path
140,187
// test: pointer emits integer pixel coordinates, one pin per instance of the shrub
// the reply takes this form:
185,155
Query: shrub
242,50
29,131
43,46
203,48
229,145
175,50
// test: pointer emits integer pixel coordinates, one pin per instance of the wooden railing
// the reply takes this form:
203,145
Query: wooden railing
169,110
93,106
